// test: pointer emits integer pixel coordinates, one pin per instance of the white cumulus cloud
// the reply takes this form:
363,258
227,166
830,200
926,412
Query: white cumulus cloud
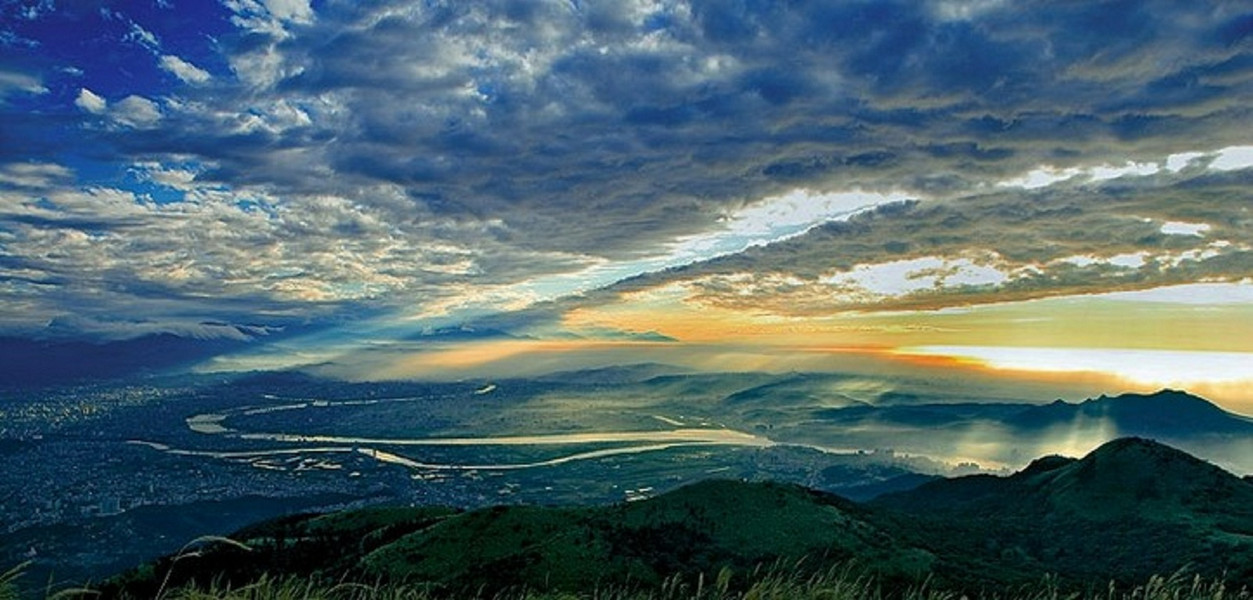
184,70
136,111
90,102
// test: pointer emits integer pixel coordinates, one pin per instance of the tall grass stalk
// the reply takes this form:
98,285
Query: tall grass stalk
8,582
842,583
192,550
783,581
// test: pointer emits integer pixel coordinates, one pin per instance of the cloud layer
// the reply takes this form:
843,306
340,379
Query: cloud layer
266,161
1131,233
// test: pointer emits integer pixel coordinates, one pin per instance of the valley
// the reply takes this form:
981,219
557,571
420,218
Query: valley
93,467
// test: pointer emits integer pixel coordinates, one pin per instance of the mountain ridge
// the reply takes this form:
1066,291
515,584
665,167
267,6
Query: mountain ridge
1131,508
1133,502
1165,412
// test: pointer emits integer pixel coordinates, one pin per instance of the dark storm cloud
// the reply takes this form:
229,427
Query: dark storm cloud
563,120
396,153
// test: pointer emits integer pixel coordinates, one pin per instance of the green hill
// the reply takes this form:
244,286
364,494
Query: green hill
696,529
1130,509
699,528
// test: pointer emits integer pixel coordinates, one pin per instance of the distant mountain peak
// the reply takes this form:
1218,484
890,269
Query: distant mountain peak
1164,414
1161,396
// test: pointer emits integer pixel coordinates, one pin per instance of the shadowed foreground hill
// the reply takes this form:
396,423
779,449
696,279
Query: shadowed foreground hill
699,528
1130,509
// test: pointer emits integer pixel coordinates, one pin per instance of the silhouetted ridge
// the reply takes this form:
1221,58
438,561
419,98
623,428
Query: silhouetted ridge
1166,413
1047,463
1167,405
1124,478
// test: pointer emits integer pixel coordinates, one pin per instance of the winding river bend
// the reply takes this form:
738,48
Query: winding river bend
295,443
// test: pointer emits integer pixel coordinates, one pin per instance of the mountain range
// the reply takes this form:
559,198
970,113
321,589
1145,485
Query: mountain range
1013,432
1167,413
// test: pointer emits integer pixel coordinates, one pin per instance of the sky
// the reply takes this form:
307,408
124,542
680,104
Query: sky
451,189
